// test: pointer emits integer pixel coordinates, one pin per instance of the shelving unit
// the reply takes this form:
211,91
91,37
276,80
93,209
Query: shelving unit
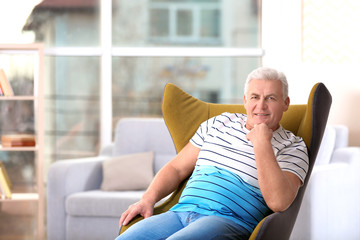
36,193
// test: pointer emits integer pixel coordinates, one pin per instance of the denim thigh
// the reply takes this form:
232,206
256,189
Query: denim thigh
184,226
211,227
155,227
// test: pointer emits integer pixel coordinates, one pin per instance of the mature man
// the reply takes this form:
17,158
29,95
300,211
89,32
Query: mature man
242,167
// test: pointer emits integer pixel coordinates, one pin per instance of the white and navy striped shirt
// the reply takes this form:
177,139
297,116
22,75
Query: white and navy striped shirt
223,143
224,181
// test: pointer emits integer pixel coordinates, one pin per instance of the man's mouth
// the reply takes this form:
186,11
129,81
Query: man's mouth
261,114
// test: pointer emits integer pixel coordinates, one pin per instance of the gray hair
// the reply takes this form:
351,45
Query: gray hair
266,73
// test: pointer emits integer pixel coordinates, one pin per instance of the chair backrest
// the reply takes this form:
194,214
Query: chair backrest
183,114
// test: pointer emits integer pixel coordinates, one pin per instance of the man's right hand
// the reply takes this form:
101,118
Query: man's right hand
140,208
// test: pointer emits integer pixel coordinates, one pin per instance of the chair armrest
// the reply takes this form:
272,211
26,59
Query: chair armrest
64,178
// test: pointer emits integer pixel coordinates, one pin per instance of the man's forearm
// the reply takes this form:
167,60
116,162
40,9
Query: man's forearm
277,187
172,174
164,183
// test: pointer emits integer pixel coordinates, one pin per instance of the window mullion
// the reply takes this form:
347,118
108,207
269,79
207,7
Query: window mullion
106,73
196,23
172,23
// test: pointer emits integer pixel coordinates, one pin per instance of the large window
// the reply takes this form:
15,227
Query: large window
106,60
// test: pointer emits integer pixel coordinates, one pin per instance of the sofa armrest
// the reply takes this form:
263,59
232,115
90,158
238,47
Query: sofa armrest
314,206
348,155
64,178
107,150
330,207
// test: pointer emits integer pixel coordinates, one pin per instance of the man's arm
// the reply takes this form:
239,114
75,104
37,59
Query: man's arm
164,183
279,188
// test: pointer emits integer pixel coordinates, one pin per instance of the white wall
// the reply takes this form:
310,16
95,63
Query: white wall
281,40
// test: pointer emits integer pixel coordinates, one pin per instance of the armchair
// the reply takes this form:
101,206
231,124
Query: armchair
184,113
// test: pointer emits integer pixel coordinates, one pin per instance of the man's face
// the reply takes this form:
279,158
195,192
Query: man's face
264,103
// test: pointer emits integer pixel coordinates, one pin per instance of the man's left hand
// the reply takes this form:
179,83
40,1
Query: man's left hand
260,133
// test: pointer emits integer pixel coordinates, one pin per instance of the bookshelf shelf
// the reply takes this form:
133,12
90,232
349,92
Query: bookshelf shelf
18,148
17,98
24,108
22,197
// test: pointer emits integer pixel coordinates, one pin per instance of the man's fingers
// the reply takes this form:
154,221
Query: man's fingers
128,215
128,219
133,211
122,218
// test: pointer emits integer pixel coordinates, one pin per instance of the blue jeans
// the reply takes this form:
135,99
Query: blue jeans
184,225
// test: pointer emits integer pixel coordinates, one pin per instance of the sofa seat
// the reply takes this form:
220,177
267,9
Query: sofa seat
99,203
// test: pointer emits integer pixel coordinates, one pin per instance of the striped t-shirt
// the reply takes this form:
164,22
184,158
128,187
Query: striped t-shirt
224,181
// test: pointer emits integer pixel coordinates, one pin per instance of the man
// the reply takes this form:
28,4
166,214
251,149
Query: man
242,167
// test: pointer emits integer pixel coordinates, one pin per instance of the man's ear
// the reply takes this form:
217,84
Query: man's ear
287,104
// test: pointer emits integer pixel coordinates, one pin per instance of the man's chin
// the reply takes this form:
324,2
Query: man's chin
250,126
261,122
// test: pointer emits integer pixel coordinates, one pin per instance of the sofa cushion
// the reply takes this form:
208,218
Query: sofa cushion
98,203
128,172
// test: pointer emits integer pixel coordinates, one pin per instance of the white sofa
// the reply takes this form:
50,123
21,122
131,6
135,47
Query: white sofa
331,204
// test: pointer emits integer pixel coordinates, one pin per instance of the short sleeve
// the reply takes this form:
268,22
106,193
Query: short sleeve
294,158
199,137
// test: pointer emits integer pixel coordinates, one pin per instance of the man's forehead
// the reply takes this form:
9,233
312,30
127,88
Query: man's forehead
260,86
265,94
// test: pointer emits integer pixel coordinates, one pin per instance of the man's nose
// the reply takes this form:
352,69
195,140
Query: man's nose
262,103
